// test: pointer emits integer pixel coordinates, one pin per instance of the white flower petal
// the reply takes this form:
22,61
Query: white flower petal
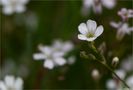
9,81
82,37
68,46
91,39
39,56
2,86
49,64
83,28
99,31
8,10
111,84
109,3
121,73
91,25
60,61
18,84
115,25
45,49
20,8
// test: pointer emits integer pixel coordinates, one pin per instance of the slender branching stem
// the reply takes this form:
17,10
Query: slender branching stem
101,59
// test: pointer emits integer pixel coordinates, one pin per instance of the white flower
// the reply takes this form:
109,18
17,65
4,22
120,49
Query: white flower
52,58
127,64
122,29
62,46
10,83
11,6
89,31
95,74
125,14
121,73
97,5
129,81
111,84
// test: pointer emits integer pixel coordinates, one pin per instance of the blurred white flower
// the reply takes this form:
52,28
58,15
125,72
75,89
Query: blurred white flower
121,73
111,84
95,74
10,83
97,5
127,64
129,81
89,31
125,13
122,29
62,46
11,6
54,55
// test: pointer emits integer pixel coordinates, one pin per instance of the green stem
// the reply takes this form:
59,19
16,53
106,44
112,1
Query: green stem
114,73
101,59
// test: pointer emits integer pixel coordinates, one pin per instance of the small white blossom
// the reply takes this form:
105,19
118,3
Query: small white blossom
127,64
122,29
11,6
10,83
54,55
121,73
95,74
111,84
89,31
129,81
97,5
125,14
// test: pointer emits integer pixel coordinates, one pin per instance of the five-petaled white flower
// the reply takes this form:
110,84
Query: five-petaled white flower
11,6
54,55
125,13
10,83
89,31
97,5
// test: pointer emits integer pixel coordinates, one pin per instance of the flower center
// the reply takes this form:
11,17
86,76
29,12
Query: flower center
90,35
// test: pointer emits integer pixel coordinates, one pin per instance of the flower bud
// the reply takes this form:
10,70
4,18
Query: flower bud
115,61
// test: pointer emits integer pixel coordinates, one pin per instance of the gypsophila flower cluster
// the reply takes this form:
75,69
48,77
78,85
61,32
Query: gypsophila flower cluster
11,6
89,31
123,26
96,5
11,83
54,55
125,73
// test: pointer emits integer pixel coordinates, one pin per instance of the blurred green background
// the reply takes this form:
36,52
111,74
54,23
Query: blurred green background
59,19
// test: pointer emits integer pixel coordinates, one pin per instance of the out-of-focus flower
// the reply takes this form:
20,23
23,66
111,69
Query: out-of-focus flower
95,74
129,81
122,29
62,46
11,6
111,84
9,67
125,13
127,64
121,73
10,83
125,73
51,57
97,5
89,31
54,55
